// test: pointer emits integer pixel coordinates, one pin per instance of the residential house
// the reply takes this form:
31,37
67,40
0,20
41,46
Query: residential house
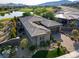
39,29
67,16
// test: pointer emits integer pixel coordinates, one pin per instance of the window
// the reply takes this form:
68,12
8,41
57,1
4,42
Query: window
42,38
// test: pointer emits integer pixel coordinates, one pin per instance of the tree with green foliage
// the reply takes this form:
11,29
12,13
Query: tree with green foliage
24,43
32,47
13,32
26,14
2,14
75,34
39,11
49,15
12,52
73,24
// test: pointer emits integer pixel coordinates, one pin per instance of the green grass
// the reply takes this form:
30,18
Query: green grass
5,19
26,9
47,54
4,11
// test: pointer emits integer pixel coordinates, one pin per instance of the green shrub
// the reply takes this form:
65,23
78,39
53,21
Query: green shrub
24,43
32,48
49,15
27,14
52,38
2,14
1,25
43,44
48,42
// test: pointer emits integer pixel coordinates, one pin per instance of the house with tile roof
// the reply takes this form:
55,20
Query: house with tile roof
39,29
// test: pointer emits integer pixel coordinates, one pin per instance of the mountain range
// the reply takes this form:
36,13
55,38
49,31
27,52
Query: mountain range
12,5
75,5
57,3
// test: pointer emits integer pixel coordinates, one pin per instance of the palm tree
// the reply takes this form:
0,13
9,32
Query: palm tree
24,43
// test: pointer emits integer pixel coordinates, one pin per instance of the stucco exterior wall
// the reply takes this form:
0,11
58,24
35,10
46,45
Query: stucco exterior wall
36,40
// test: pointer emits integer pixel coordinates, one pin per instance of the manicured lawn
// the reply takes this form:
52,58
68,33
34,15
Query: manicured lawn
47,54
4,12
26,9
5,19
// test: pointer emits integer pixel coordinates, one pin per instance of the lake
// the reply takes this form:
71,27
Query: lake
13,14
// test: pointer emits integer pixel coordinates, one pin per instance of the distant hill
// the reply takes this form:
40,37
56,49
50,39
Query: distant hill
12,5
76,4
57,3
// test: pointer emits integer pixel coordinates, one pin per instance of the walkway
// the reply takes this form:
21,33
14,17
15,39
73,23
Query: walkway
71,46
25,53
67,42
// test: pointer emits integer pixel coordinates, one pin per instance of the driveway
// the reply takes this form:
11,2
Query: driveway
68,43
25,53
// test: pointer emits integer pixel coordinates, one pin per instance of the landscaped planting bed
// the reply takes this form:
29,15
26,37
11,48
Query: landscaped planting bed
48,54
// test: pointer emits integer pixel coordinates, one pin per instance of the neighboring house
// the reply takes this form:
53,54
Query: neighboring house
59,12
67,19
64,19
38,29
67,15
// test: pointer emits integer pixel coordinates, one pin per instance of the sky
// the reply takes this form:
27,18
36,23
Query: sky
28,2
